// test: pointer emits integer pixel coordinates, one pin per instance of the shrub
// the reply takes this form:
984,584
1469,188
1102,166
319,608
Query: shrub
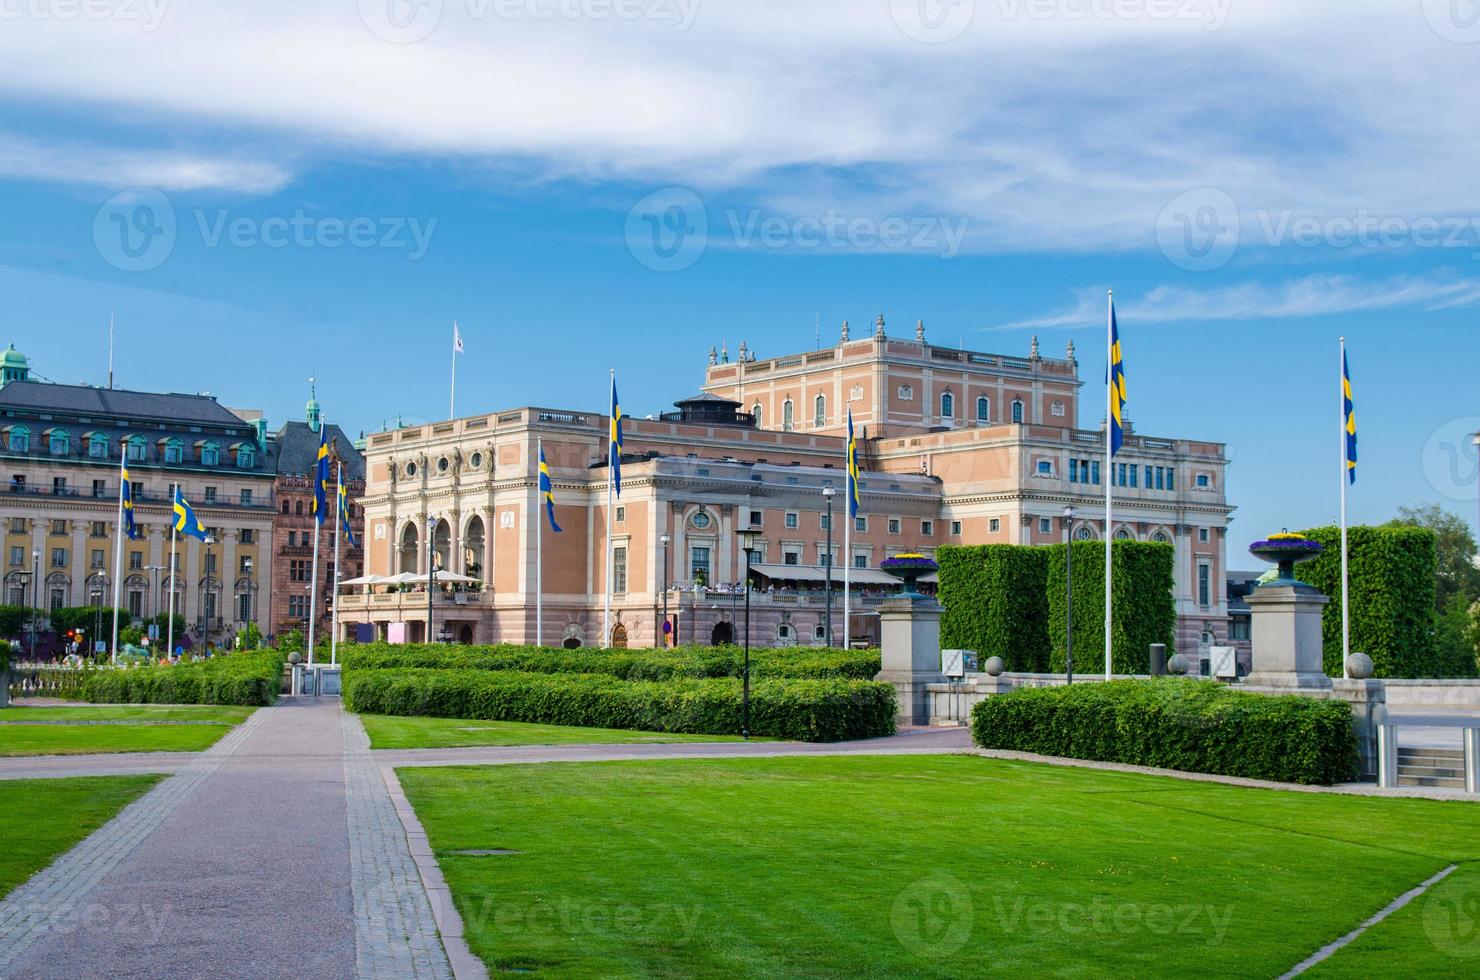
804,710
645,665
232,678
1391,586
1176,723
1145,612
996,601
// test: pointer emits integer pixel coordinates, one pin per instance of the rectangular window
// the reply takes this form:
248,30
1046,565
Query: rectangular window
1238,629
893,525
298,607
292,539
1045,467
248,536
1094,472
244,607
17,525
619,569
298,571
17,555
1202,534
860,523
137,489
58,527
58,599
97,558
135,559
1203,480
621,514
1171,479
243,564
1045,525
100,488
699,562
59,485
100,529
956,529
1119,474
59,558
1204,577
860,560
1133,473
791,558
994,525
210,495
927,528
210,563
246,497
135,603
1073,471
755,518
791,519
826,521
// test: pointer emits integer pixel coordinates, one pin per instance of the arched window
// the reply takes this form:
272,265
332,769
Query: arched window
1122,535
947,405
174,451
246,457
20,439
1083,533
1017,411
97,445
786,415
210,454
137,449
58,442
759,416
287,507
298,508
983,409
1160,537
819,410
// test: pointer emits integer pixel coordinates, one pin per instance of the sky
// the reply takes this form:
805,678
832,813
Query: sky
259,194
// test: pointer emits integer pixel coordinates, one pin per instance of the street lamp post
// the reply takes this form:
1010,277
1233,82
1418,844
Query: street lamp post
1069,595
35,596
25,580
828,493
431,565
747,542
667,626
154,571
247,567
97,602
202,622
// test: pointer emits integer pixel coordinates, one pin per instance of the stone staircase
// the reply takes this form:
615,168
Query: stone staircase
1431,767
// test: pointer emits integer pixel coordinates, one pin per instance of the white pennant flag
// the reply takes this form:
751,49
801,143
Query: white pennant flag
457,347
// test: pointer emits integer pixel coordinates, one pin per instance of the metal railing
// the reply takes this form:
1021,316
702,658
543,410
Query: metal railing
1387,752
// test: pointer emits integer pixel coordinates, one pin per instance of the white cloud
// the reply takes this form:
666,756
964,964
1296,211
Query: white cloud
87,163
1310,296
1049,125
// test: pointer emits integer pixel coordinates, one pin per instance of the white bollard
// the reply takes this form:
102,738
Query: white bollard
1387,756
1472,759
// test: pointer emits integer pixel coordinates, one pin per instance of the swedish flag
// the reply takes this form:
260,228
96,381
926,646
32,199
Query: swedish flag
614,446
853,501
321,478
1117,386
1348,420
126,490
349,535
547,490
185,520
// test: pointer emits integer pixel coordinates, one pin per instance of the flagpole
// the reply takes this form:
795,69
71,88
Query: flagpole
334,615
169,650
1109,465
1346,640
118,545
539,550
847,564
606,627
313,585
452,394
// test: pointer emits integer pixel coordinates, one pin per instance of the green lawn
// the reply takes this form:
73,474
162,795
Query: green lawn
1435,935
45,817
226,714
924,866
397,732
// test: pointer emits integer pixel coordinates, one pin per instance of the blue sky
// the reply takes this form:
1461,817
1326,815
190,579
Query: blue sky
313,190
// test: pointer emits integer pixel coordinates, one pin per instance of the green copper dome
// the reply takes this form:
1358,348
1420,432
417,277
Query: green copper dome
13,366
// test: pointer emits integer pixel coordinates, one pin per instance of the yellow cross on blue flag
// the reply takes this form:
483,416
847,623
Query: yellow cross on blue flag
126,490
1117,386
547,490
349,535
852,468
1348,420
321,478
185,520
614,448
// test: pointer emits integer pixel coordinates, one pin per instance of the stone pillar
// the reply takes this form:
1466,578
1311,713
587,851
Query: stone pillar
909,639
1285,624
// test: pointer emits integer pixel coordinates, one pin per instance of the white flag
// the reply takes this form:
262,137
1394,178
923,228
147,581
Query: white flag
457,347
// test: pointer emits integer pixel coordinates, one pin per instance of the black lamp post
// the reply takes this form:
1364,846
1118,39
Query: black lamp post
35,596
828,493
247,567
667,626
431,566
1069,594
747,542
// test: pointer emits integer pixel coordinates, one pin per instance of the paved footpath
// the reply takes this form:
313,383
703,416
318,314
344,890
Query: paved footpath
239,865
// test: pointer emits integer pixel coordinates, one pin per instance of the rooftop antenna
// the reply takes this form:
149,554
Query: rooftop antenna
110,349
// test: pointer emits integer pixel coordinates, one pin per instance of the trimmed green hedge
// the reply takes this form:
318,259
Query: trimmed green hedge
1145,612
1176,723
252,678
630,665
996,601
803,710
1392,598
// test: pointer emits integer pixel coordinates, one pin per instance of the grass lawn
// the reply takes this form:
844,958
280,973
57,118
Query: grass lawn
45,817
924,866
1435,935
226,714
397,732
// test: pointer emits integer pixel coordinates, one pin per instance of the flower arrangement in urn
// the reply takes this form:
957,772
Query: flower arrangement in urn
1286,550
908,568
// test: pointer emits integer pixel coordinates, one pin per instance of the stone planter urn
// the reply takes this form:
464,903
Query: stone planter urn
908,569
1285,550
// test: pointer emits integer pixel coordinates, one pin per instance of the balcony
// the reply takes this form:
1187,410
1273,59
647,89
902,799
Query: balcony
414,601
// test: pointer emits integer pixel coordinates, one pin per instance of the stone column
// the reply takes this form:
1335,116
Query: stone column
1286,633
909,630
